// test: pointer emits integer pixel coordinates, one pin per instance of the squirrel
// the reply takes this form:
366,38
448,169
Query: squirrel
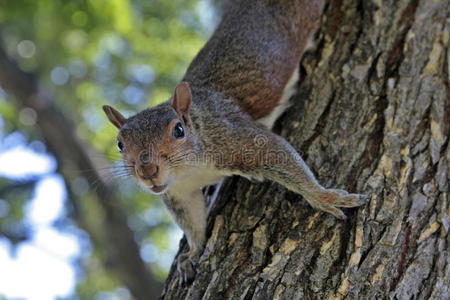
218,121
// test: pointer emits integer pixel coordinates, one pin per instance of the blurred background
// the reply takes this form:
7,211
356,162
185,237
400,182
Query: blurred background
66,206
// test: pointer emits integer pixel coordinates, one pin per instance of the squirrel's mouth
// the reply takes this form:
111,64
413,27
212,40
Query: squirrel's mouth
158,189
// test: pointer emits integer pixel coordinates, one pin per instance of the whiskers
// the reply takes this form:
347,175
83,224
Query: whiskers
178,157
108,174
117,170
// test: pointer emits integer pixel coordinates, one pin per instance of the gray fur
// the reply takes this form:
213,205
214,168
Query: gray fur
236,79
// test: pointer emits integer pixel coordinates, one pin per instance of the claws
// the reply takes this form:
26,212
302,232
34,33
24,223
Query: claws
335,212
186,269
329,200
351,200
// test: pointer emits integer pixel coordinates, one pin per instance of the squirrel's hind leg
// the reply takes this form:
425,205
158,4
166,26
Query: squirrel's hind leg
283,102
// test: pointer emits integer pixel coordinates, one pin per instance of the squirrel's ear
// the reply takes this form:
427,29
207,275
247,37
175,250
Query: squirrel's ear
182,99
114,116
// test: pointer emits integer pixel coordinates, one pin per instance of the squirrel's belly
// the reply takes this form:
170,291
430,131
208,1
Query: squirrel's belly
283,103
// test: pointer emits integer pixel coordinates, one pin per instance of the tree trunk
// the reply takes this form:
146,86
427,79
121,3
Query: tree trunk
372,116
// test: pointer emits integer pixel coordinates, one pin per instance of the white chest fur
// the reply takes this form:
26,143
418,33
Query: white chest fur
192,179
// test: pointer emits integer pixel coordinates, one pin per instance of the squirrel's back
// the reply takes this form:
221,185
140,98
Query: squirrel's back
255,50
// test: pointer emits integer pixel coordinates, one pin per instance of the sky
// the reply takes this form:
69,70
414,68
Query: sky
42,268
45,266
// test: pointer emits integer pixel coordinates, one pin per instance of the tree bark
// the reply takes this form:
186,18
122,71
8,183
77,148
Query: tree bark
111,234
372,116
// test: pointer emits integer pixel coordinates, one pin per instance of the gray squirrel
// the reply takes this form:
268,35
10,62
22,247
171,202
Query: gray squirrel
218,121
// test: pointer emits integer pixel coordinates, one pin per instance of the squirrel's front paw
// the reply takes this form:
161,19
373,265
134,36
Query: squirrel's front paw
328,200
186,269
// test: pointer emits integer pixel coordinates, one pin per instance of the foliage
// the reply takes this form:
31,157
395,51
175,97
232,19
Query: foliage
13,196
128,53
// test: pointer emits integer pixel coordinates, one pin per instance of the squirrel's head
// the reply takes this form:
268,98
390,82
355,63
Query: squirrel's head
156,142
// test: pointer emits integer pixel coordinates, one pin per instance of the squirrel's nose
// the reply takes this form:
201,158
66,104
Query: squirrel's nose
148,171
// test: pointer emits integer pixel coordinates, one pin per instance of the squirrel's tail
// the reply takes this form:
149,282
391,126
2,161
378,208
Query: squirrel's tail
255,52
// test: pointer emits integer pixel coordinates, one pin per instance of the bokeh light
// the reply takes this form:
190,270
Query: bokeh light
81,55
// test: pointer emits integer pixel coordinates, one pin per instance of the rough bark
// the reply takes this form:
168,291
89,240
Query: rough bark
372,116
111,235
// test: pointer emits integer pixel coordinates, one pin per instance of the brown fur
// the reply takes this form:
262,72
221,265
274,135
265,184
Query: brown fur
237,78
255,50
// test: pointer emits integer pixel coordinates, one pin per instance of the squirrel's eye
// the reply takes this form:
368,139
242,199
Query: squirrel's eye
178,131
120,146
